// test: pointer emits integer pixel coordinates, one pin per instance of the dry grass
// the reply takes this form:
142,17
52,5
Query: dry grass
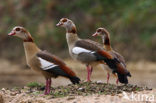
8,68
140,65
17,75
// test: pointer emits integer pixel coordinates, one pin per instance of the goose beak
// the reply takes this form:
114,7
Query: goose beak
11,33
95,34
59,24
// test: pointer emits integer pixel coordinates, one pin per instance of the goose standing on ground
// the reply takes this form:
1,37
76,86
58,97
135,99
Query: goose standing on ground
90,53
42,61
107,46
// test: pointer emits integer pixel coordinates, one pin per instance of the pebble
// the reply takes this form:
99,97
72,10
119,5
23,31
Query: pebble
3,89
13,94
99,82
81,89
70,98
96,98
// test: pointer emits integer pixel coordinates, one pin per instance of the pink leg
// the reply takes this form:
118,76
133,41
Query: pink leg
91,69
117,81
108,75
88,78
89,72
49,86
46,87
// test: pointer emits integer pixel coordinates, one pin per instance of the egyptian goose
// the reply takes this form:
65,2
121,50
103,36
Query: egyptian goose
107,46
42,61
90,53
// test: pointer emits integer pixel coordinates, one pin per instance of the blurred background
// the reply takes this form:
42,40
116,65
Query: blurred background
131,23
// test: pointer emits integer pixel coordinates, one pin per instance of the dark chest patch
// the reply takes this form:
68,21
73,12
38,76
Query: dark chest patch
73,30
107,41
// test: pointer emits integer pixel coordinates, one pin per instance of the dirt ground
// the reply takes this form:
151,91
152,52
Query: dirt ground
7,97
12,75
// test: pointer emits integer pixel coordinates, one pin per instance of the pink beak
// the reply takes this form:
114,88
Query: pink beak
95,34
11,33
59,24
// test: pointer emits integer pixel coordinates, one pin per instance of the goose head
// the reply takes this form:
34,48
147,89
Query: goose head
67,24
21,32
101,32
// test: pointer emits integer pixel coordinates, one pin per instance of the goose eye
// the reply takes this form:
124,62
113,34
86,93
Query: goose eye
64,20
17,29
99,30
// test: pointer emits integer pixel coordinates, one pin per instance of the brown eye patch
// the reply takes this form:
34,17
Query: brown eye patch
17,29
99,30
64,20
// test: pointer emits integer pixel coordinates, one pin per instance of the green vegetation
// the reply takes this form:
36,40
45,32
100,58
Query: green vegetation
33,84
83,89
130,22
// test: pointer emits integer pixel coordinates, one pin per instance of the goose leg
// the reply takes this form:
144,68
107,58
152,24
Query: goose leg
117,81
91,69
89,72
108,76
49,86
88,77
46,87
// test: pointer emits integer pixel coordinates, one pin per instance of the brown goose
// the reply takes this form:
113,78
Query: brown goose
107,46
90,53
42,61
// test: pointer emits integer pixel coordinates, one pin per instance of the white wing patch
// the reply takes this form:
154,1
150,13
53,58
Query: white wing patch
45,65
78,50
123,65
